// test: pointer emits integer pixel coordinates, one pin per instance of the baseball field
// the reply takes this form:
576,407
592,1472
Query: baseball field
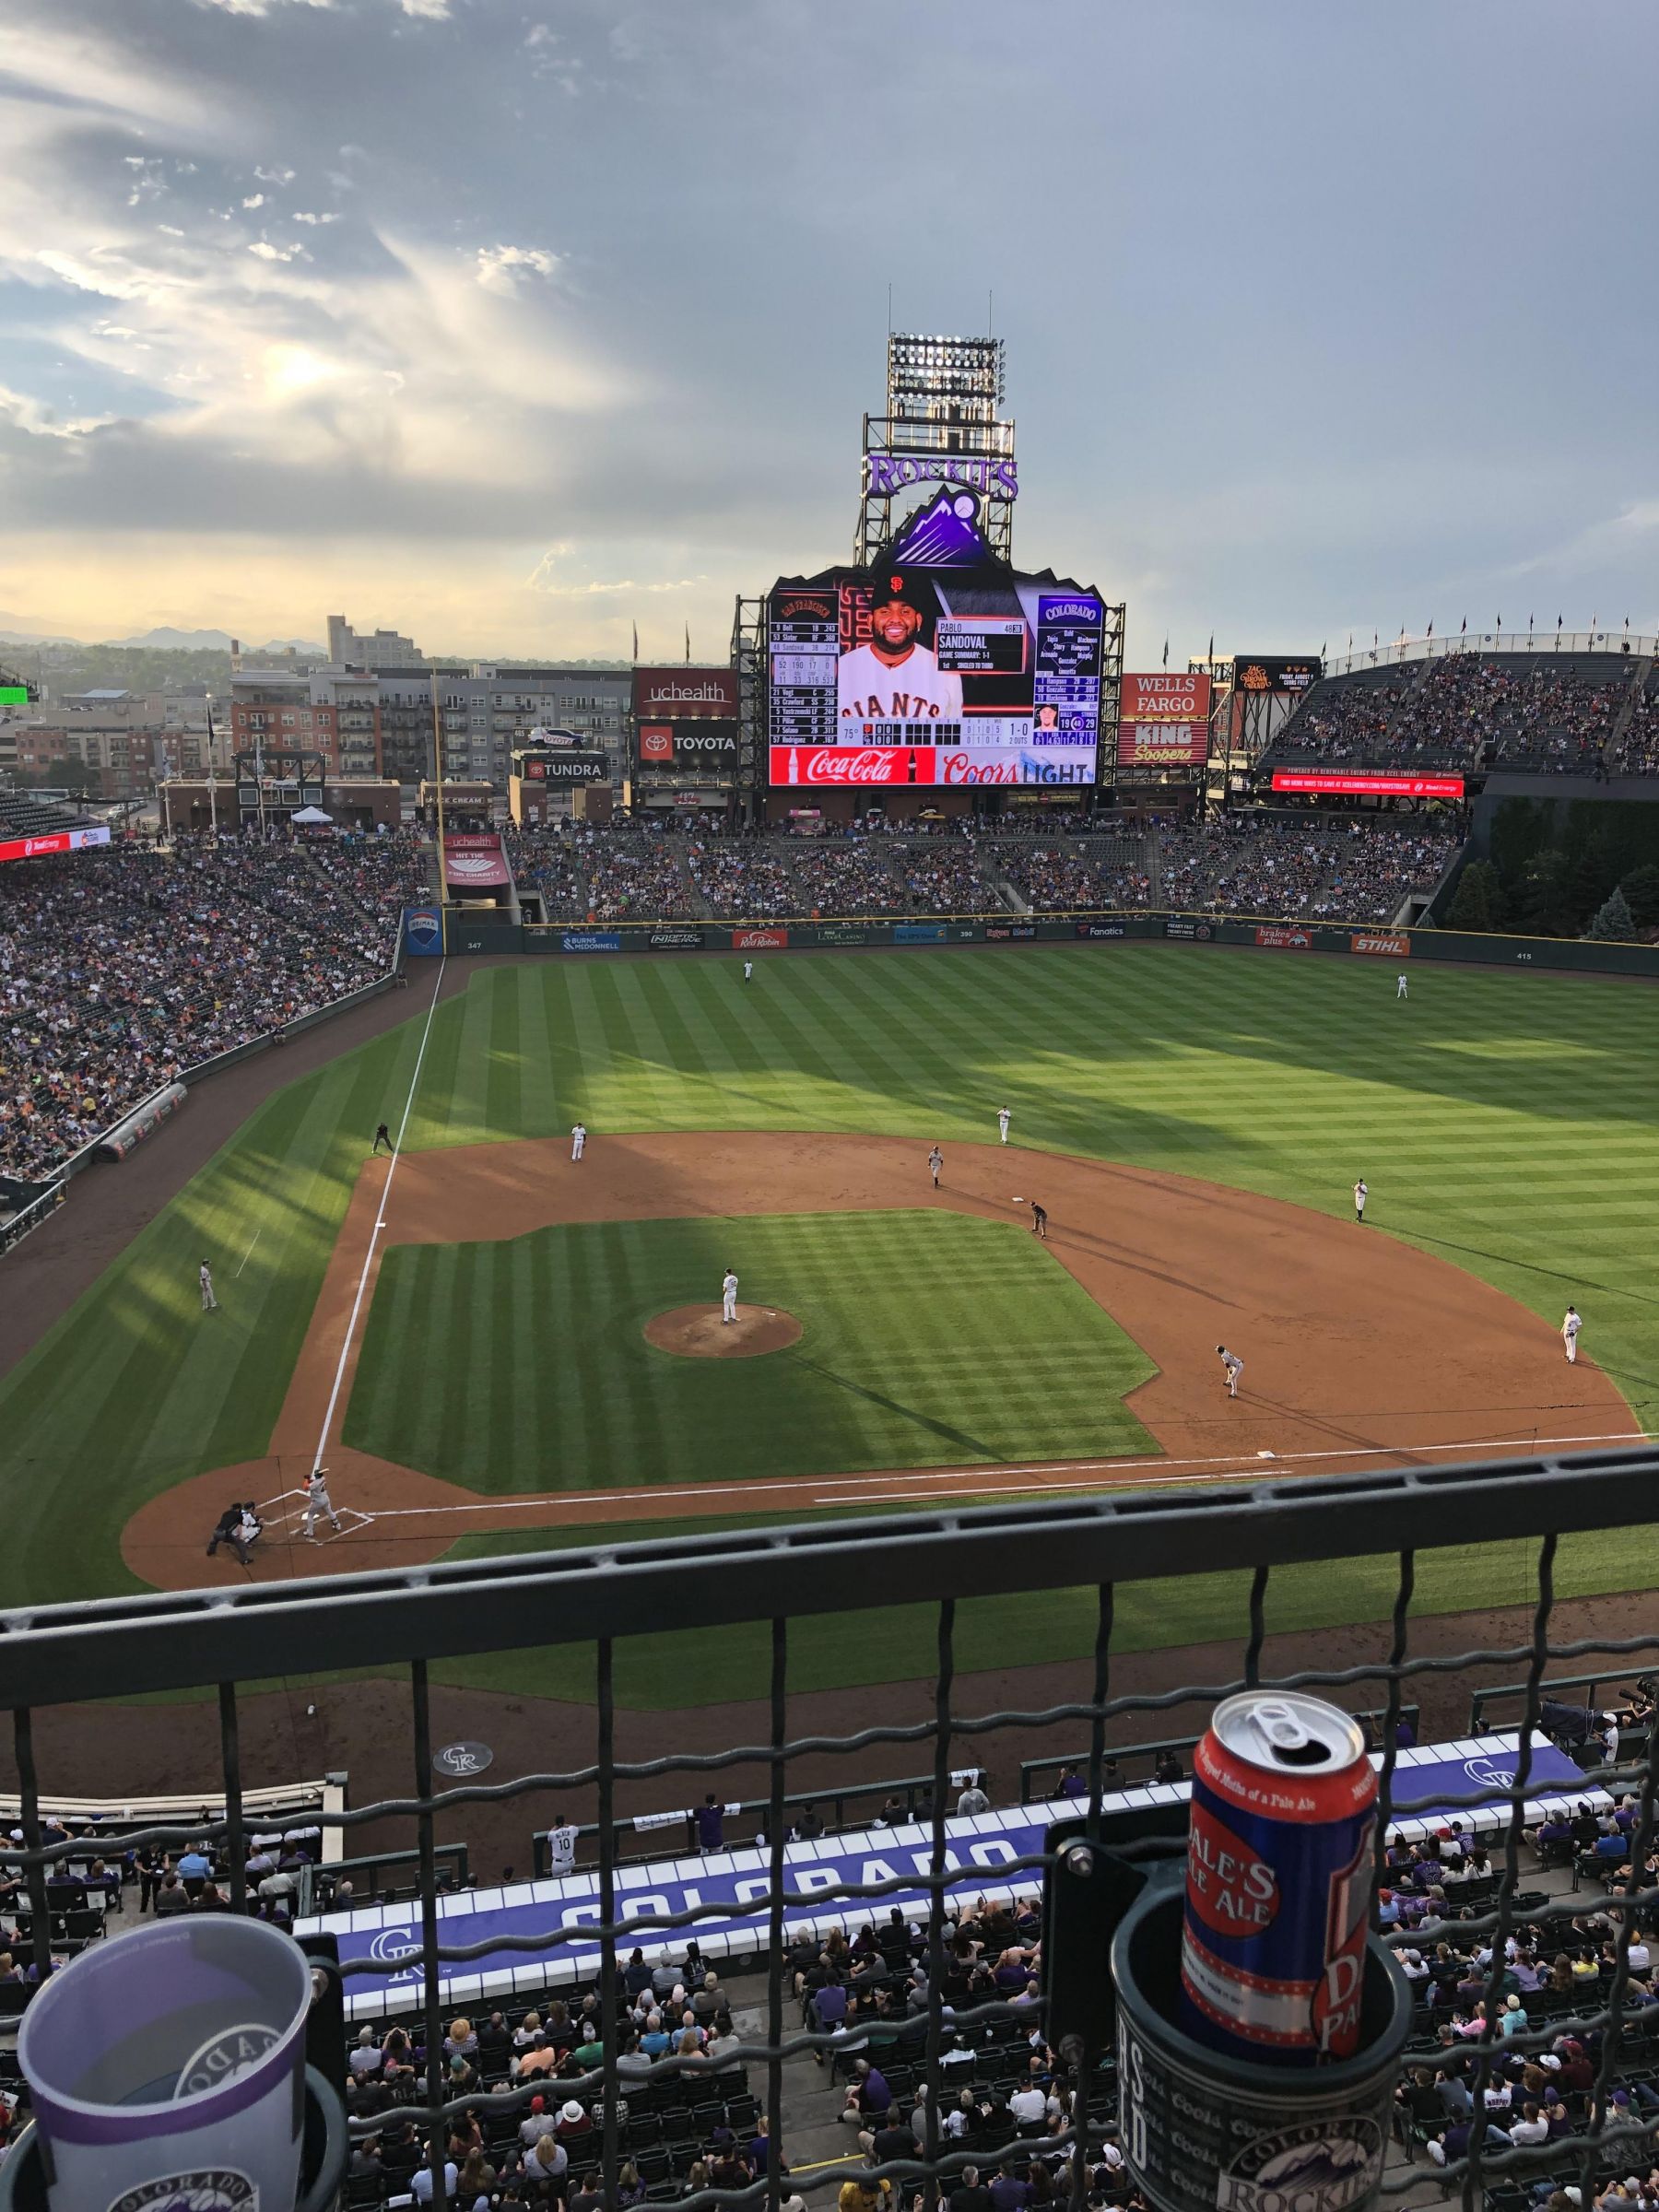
495,1348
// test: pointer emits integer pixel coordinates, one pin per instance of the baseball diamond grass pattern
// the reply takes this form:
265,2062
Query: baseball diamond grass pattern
928,1339
1508,1122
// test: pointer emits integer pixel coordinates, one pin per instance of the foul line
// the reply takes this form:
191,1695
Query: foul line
249,1254
380,1221
988,1481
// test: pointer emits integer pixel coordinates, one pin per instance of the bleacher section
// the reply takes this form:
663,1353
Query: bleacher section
23,815
1542,713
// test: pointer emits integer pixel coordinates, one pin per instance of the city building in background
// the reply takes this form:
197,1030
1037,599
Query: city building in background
370,649
487,711
333,711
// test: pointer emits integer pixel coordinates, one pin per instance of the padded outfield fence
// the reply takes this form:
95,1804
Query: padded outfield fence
404,1621
468,932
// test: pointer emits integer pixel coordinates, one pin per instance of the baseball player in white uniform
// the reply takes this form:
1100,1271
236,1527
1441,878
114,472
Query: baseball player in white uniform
578,1140
1400,990
893,678
748,969
1570,1325
1002,1118
204,1276
1232,1367
317,1504
935,1165
728,1297
1360,1195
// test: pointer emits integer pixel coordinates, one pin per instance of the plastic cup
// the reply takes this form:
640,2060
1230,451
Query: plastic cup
167,2070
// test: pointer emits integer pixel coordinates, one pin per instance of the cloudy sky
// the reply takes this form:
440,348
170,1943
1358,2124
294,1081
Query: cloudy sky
513,323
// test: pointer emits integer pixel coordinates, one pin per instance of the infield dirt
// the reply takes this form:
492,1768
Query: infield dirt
1358,1349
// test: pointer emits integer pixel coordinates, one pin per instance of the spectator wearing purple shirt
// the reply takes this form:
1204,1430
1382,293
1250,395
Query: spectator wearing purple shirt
711,1824
1008,2193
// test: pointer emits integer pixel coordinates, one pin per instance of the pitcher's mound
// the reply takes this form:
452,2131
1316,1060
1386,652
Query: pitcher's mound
698,1332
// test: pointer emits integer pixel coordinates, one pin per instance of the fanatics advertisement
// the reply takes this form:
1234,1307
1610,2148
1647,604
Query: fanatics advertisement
1163,722
1358,785
969,677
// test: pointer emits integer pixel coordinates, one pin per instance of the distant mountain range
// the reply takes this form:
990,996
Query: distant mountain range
212,641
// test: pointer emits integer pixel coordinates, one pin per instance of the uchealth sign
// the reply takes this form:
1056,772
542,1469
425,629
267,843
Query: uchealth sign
684,695
1357,785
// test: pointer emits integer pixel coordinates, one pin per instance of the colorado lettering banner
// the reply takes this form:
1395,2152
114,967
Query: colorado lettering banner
1367,786
1431,1784
1163,721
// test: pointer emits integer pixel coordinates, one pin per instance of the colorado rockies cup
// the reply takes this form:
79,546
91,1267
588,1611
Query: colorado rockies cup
1279,1856
167,2069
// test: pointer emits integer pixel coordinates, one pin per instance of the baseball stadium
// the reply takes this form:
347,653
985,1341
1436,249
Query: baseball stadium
770,1322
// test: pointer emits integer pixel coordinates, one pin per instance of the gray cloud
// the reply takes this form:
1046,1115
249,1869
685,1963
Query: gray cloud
1299,325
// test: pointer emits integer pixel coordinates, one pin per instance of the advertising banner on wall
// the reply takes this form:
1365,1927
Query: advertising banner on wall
685,694
566,768
1275,672
1163,721
57,841
686,725
1363,786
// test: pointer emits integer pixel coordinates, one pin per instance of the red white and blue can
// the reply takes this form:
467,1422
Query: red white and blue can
1279,1863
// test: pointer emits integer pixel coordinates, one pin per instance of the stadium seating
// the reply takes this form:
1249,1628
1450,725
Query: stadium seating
1543,712
122,966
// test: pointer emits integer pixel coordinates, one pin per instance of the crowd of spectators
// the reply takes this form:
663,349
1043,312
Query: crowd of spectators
1556,712
1346,719
1638,752
634,874
1054,878
741,880
545,860
122,966
1262,864
943,876
382,875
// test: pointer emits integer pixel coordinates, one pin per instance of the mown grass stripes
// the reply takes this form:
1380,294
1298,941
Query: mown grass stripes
928,1338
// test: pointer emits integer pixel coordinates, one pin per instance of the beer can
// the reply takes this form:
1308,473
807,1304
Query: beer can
1279,1863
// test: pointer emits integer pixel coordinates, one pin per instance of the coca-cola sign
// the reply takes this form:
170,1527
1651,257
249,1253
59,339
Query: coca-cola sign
852,764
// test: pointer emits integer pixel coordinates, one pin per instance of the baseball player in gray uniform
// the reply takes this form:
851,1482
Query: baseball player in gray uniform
317,1504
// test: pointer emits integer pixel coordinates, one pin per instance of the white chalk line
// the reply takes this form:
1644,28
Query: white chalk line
989,1481
249,1254
334,1395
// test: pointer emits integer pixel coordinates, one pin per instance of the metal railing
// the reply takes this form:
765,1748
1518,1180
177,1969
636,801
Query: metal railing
1615,641
412,1619
1480,1700
1117,1756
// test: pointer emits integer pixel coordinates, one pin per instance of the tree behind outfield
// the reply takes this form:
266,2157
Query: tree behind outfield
1613,919
1477,900
1641,888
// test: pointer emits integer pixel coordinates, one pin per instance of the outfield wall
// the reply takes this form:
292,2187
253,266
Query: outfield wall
465,936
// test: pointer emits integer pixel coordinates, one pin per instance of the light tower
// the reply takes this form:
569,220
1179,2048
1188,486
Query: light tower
944,424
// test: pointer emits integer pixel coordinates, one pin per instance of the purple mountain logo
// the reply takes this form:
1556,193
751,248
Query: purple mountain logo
943,535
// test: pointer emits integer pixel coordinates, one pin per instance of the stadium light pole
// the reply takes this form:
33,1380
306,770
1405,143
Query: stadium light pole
438,777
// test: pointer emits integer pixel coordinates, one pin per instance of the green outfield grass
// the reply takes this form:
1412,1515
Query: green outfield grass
928,1338
1509,1121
